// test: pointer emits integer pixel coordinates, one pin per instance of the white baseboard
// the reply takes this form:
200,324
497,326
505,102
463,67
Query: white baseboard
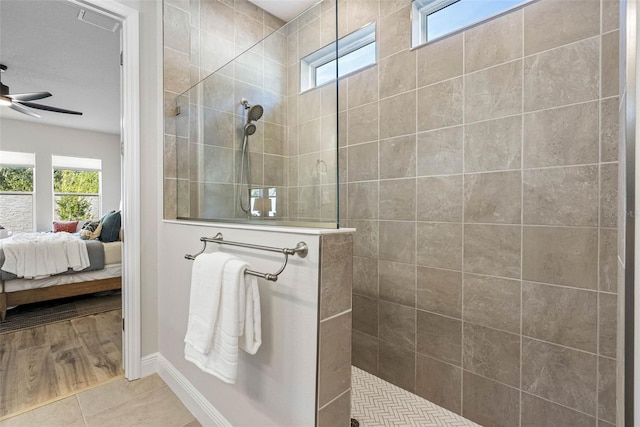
149,365
200,407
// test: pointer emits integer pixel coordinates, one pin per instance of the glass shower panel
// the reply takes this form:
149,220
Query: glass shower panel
251,147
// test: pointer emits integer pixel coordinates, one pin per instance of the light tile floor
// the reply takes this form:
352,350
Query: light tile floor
150,402
377,403
145,402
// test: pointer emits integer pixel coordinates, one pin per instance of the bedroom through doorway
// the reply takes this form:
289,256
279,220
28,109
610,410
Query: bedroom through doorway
60,191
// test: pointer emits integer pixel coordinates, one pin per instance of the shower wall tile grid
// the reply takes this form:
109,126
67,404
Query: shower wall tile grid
377,403
481,175
200,36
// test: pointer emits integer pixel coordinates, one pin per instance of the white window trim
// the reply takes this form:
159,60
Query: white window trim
420,11
17,159
346,45
81,164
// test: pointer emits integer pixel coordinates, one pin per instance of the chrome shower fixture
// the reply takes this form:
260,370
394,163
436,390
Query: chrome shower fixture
255,111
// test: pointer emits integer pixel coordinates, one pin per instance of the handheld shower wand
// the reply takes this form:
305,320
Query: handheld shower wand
254,114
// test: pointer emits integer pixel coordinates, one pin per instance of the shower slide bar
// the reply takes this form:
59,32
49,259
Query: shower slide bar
301,250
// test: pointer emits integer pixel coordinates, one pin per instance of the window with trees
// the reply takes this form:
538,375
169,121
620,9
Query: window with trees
76,188
17,187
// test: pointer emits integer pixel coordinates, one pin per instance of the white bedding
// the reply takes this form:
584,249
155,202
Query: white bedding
112,270
40,254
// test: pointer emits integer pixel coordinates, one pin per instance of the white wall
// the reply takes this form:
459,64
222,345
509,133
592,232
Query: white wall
277,386
47,140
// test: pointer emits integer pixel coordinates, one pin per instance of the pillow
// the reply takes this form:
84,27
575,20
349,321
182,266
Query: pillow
91,230
68,226
110,227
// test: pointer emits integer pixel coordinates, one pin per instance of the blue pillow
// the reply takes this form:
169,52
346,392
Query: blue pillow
110,227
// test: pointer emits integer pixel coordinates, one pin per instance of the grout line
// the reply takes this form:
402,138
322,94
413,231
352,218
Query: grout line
521,220
598,202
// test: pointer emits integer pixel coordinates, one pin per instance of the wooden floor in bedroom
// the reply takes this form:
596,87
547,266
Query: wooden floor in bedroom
49,362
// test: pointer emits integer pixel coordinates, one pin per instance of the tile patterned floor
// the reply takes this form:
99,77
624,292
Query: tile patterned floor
377,403
118,403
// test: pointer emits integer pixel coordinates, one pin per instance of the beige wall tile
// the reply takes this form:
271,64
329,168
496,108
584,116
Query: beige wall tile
440,105
363,87
439,383
397,283
440,60
365,239
494,92
397,325
363,162
562,136
397,73
399,157
608,262
609,130
397,365
492,354
560,315
610,64
607,389
493,197
217,18
360,13
336,272
440,291
336,413
492,302
439,152
559,374
439,337
537,412
397,115
439,245
176,29
489,403
608,195
561,196
553,23
547,83
361,196
494,42
334,358
560,255
439,198
364,353
397,200
176,71
365,315
492,249
397,241
493,145
395,32
365,276
608,322
610,15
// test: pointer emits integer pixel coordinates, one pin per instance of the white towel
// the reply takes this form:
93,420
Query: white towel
233,317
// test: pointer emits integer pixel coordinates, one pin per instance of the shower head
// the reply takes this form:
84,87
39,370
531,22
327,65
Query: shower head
255,112
249,129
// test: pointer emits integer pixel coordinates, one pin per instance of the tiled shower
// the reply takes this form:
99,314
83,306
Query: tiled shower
480,172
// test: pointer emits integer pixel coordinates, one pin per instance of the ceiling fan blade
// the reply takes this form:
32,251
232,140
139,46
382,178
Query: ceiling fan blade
49,108
29,96
19,108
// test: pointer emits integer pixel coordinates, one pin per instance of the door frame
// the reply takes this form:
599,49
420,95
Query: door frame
130,137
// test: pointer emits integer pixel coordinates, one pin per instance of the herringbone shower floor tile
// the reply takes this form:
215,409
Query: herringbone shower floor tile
377,403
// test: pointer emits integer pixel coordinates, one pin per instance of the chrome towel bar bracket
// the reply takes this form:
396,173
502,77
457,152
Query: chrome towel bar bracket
301,250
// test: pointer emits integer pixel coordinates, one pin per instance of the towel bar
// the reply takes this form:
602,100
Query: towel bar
301,250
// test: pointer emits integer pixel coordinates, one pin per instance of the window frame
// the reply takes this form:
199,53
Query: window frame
422,9
70,166
15,164
335,51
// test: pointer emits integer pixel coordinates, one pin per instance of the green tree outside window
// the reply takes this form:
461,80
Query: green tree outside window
16,179
70,206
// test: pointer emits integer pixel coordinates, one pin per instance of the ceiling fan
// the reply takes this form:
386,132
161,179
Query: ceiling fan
20,101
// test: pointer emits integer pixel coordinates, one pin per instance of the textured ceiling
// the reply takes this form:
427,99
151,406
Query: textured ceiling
46,48
285,9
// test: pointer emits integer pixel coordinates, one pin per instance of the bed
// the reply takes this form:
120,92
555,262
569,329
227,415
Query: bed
104,274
